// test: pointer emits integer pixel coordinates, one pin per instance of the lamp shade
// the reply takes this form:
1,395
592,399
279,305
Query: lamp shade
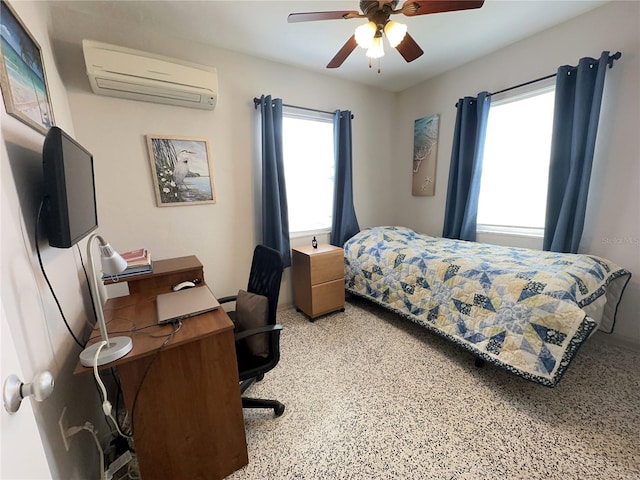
365,34
395,32
376,50
112,262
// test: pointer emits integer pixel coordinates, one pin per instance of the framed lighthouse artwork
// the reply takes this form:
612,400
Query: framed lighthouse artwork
181,169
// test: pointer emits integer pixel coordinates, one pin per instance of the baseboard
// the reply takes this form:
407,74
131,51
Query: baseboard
617,341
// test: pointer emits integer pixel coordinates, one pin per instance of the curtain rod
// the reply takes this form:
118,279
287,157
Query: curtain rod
612,58
256,102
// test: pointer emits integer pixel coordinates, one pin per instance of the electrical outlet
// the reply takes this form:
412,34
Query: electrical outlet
64,428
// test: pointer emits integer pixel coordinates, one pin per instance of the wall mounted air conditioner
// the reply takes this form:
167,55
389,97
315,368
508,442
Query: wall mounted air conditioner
127,73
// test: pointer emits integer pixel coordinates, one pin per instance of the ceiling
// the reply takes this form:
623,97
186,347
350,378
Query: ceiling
260,28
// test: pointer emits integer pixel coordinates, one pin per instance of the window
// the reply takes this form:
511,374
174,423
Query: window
309,169
515,169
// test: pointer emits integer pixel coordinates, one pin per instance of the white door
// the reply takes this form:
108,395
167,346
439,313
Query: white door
22,454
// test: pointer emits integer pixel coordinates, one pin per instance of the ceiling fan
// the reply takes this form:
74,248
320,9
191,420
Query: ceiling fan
378,13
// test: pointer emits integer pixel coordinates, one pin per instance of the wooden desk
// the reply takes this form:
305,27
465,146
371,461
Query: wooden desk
188,421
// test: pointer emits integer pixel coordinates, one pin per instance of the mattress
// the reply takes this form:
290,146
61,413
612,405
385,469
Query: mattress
525,310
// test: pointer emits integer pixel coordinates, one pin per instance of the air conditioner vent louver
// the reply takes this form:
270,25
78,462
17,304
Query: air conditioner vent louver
126,73
134,88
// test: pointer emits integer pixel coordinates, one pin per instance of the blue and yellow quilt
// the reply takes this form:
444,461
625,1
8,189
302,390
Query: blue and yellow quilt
525,310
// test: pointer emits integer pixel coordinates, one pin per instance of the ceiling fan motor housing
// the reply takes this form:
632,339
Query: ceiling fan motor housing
376,12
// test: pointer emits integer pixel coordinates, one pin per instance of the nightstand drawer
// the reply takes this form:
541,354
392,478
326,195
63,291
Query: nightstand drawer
327,297
318,279
327,266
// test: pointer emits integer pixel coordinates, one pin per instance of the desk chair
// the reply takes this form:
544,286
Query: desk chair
257,335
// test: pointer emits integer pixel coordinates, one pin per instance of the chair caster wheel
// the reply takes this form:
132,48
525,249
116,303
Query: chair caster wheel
279,410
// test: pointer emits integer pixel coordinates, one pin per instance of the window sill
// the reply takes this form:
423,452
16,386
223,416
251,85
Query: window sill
309,233
511,231
511,237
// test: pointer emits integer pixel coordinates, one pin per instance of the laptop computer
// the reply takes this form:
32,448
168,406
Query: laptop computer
176,306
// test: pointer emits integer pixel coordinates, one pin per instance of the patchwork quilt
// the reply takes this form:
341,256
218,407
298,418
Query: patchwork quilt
525,310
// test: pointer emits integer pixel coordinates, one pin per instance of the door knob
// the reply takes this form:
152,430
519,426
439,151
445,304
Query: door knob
15,390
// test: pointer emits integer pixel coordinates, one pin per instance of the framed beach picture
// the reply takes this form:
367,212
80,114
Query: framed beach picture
181,169
22,76
425,149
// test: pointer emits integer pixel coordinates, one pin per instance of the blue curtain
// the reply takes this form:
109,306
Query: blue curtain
466,167
275,213
575,124
344,224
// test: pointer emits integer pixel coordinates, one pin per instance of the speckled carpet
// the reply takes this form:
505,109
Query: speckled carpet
370,395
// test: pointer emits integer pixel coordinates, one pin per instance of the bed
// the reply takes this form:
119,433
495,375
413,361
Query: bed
527,311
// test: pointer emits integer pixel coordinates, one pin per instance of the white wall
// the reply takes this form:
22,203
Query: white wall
221,235
612,227
40,337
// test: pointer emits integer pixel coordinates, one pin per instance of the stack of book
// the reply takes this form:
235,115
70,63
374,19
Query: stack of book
138,263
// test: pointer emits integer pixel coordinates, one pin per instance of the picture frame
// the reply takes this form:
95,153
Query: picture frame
22,75
181,170
425,151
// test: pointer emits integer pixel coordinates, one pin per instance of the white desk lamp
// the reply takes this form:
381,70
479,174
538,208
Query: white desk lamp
116,347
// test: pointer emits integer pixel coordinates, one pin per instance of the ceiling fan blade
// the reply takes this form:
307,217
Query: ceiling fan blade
409,49
344,52
424,7
313,16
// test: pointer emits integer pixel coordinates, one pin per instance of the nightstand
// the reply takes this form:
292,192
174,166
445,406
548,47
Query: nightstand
318,279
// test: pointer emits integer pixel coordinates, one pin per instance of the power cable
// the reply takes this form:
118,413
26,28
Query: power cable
44,273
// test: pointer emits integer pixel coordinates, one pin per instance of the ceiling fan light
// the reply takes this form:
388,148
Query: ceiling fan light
376,50
395,32
365,33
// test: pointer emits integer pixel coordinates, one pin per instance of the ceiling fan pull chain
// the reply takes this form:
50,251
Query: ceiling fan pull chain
378,65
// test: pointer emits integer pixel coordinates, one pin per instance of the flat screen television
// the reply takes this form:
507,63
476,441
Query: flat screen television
69,190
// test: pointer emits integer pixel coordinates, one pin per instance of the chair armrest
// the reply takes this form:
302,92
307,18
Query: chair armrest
230,298
254,331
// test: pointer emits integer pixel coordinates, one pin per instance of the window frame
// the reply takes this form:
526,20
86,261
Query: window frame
289,111
528,91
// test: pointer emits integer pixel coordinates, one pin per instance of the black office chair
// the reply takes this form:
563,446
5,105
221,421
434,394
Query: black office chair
264,280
